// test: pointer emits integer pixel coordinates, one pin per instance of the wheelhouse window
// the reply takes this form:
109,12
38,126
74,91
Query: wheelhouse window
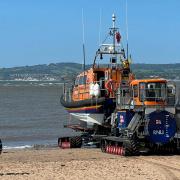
142,91
135,91
77,81
154,91
82,80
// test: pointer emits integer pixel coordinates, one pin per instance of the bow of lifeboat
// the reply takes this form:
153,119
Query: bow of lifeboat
84,100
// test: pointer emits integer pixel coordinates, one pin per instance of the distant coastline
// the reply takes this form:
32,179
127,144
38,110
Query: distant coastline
29,83
66,72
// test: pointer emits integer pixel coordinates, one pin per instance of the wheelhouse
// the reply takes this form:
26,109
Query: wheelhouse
149,91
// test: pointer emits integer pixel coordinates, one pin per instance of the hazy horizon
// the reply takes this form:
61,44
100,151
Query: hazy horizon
86,64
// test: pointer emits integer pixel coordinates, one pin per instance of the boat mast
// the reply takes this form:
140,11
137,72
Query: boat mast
127,30
114,32
112,48
84,55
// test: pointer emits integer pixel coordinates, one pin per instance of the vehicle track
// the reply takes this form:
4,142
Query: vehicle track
166,169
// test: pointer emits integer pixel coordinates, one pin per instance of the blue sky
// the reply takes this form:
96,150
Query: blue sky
50,31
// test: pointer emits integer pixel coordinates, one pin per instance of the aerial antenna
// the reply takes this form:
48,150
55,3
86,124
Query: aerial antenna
127,29
84,55
100,22
114,31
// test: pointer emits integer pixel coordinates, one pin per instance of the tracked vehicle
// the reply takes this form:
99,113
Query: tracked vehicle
146,119
128,116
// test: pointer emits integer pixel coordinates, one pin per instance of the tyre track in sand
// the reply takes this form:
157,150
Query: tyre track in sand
166,169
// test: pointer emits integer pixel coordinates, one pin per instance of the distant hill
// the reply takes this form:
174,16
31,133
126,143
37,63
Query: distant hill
58,71
168,71
67,71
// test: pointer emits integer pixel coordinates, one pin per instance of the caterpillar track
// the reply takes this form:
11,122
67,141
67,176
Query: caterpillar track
120,146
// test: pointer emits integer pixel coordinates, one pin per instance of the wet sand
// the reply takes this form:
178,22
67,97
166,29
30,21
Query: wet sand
83,164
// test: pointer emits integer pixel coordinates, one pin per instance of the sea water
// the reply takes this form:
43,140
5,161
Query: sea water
31,114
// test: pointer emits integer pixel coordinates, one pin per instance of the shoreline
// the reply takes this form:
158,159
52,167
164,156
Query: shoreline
30,147
54,163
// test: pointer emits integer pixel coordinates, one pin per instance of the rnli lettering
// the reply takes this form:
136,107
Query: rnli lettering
158,132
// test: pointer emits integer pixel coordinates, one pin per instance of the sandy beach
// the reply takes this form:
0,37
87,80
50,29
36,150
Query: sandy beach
88,164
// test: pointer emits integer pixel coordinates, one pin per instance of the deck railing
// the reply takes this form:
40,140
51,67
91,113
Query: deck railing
81,90
123,95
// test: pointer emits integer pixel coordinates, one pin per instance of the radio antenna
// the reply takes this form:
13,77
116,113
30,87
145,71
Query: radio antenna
84,57
100,22
127,29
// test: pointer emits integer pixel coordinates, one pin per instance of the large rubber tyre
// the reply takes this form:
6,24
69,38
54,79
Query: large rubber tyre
103,145
76,142
73,142
131,148
134,148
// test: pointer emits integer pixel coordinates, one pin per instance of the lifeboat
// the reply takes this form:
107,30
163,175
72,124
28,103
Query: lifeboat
91,99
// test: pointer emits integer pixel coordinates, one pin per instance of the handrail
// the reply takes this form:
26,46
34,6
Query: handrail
68,89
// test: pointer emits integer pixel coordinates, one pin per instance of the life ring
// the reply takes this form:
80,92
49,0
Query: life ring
111,85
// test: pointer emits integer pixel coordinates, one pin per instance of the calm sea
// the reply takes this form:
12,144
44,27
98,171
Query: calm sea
31,114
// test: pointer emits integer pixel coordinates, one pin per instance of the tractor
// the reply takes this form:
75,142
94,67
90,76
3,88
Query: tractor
146,119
